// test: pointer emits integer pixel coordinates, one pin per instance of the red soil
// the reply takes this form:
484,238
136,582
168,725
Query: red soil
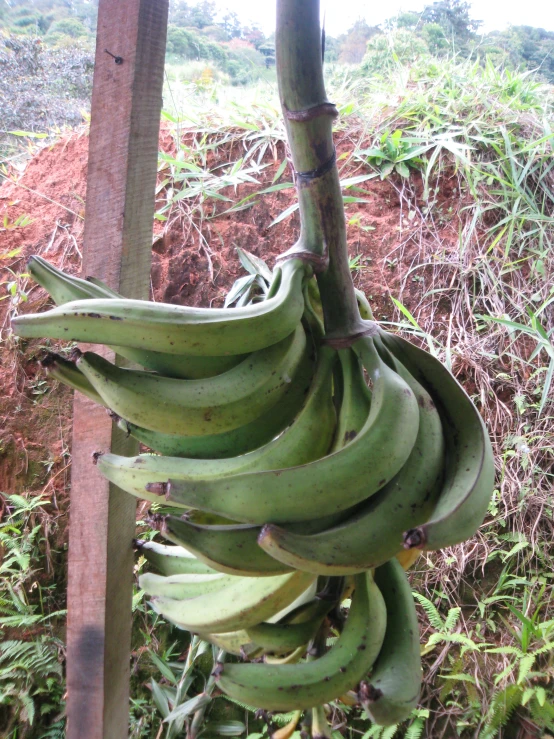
193,262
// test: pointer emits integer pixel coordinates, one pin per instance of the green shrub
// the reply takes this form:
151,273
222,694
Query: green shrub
68,27
387,51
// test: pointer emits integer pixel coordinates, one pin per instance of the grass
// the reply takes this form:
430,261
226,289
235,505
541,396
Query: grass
491,135
483,266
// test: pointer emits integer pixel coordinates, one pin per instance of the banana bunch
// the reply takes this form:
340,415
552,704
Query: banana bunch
293,471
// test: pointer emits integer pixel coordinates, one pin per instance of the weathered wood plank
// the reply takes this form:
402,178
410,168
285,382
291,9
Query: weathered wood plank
126,103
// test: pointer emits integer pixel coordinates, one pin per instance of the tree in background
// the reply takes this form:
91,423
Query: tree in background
453,17
195,15
522,47
35,17
386,51
353,44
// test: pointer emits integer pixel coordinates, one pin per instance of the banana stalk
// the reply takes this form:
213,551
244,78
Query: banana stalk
308,119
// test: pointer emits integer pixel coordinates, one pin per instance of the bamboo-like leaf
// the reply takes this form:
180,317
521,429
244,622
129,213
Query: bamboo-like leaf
240,286
285,214
188,707
225,728
349,181
280,170
160,699
254,264
166,671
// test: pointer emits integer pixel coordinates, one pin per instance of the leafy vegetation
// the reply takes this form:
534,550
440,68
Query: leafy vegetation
31,652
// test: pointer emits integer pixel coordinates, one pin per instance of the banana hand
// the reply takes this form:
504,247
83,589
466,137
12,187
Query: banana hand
331,484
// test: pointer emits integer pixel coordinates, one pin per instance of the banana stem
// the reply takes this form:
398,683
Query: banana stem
308,119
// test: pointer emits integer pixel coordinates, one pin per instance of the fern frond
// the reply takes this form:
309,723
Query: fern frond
238,703
548,647
415,729
430,609
452,619
502,706
525,665
543,715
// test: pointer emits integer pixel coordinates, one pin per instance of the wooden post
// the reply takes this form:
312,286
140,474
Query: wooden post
123,146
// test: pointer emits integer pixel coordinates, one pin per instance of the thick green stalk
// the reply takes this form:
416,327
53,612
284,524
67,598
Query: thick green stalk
308,118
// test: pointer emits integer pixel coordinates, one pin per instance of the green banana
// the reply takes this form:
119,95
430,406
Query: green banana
280,638
355,403
196,407
329,485
176,329
392,691
363,305
314,297
231,549
95,281
180,366
67,373
306,439
182,586
239,642
234,642
170,560
291,658
65,288
291,687
245,603
374,533
469,470
238,441
312,315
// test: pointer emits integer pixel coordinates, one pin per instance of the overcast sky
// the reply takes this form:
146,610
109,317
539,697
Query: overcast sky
341,14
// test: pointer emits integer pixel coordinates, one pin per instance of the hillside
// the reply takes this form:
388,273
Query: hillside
448,187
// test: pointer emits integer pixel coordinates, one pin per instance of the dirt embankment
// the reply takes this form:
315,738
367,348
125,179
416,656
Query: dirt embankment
193,262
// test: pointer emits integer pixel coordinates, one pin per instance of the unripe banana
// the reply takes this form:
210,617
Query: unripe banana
171,560
469,480
68,374
280,638
374,533
176,329
64,288
196,407
245,603
293,687
306,439
392,690
329,485
183,586
240,440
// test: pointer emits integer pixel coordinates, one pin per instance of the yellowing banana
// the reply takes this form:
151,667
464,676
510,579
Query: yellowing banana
245,602
289,687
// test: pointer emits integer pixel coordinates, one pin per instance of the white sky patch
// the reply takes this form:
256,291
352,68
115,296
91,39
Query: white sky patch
342,14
